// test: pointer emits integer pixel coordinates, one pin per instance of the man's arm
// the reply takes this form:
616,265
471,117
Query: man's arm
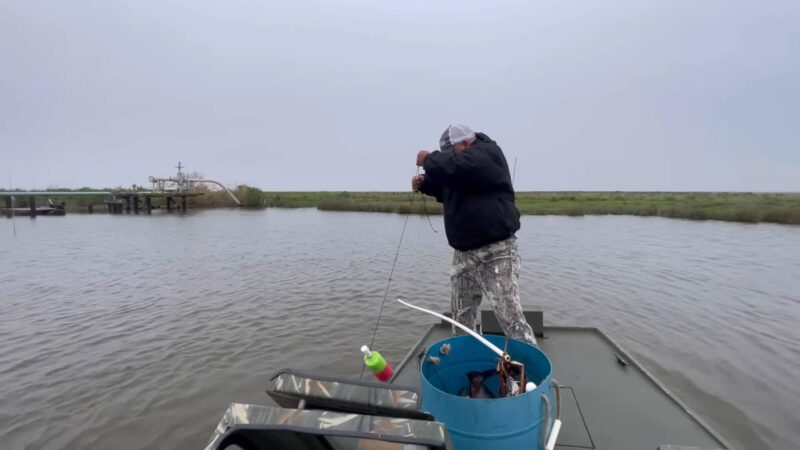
468,169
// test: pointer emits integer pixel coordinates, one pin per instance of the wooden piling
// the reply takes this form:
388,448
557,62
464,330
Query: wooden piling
169,204
90,206
148,204
128,204
136,204
183,203
32,205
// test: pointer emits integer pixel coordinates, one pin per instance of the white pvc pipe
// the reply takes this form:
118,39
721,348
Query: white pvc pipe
551,441
222,186
477,336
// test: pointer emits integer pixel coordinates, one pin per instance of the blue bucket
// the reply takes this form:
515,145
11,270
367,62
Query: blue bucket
492,423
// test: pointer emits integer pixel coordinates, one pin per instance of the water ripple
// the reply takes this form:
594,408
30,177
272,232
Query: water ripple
136,332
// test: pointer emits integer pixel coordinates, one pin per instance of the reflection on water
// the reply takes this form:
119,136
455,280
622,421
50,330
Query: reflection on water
131,332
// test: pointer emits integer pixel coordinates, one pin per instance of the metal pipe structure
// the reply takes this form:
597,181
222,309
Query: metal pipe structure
233,197
183,184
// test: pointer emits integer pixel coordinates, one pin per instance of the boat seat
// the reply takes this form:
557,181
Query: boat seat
294,389
255,427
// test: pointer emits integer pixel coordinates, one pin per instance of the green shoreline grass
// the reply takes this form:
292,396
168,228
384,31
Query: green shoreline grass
783,208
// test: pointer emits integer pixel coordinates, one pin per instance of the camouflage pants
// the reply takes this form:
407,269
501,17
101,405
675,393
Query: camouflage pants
491,271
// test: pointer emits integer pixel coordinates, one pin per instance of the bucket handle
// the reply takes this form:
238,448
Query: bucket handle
557,388
548,442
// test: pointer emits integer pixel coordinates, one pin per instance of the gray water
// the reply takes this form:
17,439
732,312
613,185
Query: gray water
137,332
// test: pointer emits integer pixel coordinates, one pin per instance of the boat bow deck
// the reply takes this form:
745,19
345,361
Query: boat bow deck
609,401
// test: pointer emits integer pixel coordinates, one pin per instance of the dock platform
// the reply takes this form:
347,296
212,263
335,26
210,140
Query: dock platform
137,202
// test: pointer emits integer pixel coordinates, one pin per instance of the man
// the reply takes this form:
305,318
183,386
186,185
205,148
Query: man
470,176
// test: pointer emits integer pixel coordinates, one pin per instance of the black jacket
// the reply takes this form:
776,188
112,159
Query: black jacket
475,187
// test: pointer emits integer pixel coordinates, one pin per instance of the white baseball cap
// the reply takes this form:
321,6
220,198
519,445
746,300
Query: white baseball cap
453,135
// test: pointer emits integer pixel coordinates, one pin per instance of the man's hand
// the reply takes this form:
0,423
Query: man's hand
416,182
421,157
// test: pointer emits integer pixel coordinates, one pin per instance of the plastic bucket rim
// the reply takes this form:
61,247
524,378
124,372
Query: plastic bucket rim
541,388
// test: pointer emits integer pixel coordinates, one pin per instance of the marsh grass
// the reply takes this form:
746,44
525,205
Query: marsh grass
728,206
734,207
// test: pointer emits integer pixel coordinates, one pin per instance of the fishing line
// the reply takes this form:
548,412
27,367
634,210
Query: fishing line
425,210
385,294
425,207
399,245
514,173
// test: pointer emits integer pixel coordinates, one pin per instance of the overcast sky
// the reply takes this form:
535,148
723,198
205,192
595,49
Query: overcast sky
340,95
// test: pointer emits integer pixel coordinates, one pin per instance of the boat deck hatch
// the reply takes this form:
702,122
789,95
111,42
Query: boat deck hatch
577,434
